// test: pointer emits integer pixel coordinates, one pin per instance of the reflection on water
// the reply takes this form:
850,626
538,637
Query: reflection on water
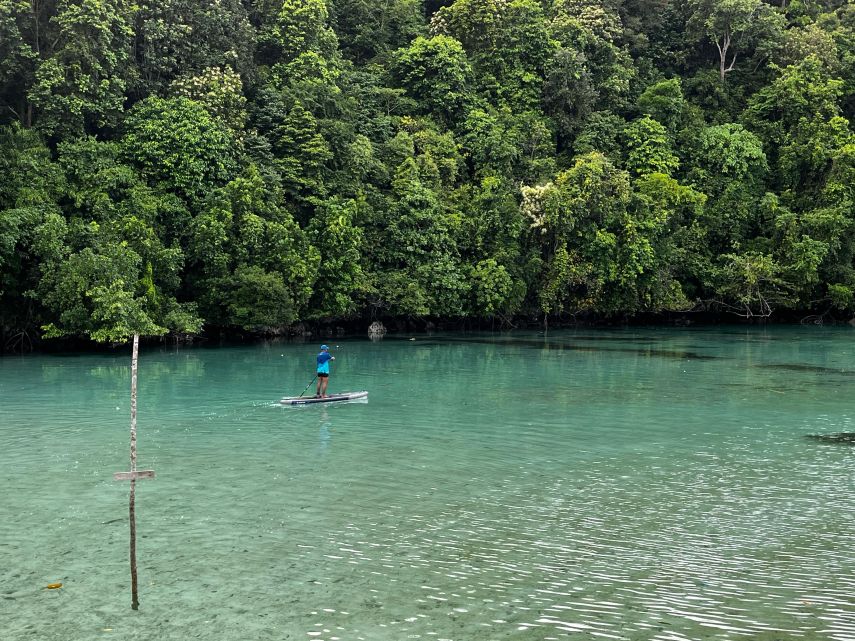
326,427
645,484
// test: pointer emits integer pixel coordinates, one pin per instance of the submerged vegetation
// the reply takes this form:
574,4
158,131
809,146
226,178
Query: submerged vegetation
173,164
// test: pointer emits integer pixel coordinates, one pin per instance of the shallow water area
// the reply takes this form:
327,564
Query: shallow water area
631,484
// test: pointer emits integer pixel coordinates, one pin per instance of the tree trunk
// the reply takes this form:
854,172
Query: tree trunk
722,55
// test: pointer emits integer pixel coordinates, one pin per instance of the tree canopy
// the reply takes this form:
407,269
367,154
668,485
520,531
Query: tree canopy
170,165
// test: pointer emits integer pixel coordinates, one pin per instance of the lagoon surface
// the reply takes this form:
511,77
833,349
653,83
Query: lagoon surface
628,484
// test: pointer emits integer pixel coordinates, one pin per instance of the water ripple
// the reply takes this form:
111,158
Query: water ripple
620,500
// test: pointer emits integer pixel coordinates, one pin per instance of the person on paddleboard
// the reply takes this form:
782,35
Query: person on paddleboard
324,359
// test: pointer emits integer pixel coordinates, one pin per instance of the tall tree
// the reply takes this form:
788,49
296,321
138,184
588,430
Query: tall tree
648,149
736,28
798,117
507,41
417,266
30,191
177,143
341,285
250,264
370,29
83,72
730,167
184,37
436,73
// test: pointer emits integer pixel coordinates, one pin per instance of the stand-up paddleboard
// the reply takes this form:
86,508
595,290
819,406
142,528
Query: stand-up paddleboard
332,398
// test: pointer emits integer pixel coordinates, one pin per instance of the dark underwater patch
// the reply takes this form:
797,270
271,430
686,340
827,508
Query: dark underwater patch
847,438
540,344
799,367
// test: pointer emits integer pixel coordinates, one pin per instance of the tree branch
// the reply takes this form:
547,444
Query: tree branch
732,62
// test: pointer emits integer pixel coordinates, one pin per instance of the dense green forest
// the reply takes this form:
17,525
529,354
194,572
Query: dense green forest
172,165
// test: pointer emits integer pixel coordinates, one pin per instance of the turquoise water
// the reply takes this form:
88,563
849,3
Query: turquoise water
636,484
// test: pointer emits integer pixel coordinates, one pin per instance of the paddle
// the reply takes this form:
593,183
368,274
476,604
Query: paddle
307,386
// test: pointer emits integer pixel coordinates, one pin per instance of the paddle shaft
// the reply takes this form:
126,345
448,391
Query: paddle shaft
307,386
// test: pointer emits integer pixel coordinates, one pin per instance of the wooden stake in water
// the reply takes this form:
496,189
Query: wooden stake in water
133,475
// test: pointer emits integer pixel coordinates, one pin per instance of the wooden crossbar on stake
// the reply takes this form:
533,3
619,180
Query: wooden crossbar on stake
130,476
133,475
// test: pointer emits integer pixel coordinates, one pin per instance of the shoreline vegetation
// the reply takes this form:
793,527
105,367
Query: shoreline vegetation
201,168
396,329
